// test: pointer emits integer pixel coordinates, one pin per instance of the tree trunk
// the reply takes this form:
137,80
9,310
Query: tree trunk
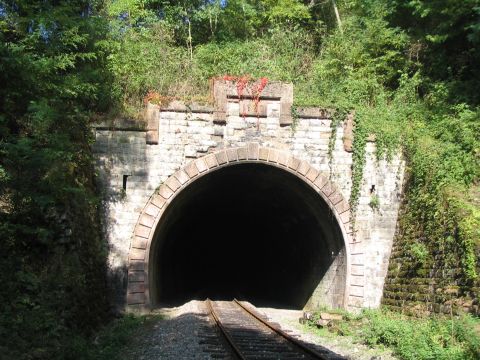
337,15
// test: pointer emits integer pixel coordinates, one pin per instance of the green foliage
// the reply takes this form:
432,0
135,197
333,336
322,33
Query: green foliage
418,339
413,338
419,252
284,55
168,69
52,256
110,342
468,223
445,38
374,202
161,67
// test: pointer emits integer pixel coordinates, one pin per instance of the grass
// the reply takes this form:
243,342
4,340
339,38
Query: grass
111,341
409,338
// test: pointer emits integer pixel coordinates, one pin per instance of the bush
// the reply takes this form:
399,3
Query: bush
418,339
414,338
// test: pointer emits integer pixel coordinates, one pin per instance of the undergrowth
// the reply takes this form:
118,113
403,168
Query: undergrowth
109,342
412,338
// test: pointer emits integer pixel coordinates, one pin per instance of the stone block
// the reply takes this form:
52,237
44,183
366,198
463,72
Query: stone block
165,191
249,107
357,280
263,154
219,117
191,170
253,151
330,316
286,114
137,254
134,276
233,108
211,161
320,181
328,188
283,158
219,131
221,157
139,243
137,287
142,231
158,201
357,248
152,115
152,210
242,153
135,265
293,163
237,123
173,183
357,270
273,155
345,217
190,151
201,166
321,323
357,291
335,197
355,301
232,155
273,110
182,177
357,259
147,220
312,174
136,298
303,168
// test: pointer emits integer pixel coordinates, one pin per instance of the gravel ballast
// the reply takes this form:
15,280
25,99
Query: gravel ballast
188,332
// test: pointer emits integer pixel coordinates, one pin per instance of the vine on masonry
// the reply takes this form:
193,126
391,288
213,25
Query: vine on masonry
257,89
246,83
358,159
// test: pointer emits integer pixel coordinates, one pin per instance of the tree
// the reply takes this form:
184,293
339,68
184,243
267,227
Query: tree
446,35
52,262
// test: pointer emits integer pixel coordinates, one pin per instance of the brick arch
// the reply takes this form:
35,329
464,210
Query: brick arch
138,297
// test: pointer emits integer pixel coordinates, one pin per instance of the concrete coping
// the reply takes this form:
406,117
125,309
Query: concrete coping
312,112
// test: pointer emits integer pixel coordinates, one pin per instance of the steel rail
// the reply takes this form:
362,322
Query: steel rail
283,333
224,331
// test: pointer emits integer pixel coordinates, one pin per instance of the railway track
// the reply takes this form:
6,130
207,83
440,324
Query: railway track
250,336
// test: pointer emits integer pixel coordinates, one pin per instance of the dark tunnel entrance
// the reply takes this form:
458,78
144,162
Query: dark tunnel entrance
250,231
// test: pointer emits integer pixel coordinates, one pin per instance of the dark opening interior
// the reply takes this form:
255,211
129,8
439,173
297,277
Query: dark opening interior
250,231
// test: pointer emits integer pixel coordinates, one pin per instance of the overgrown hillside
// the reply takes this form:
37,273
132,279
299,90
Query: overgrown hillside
409,69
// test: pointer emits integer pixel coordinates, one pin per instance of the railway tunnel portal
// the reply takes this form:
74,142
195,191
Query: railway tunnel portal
253,231
245,198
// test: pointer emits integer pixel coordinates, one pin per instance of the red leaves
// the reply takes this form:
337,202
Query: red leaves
244,84
257,89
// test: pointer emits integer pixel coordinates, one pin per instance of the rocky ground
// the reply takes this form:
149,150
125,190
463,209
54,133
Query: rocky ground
187,332
343,345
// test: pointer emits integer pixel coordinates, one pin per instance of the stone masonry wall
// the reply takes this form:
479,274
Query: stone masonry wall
436,285
175,135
